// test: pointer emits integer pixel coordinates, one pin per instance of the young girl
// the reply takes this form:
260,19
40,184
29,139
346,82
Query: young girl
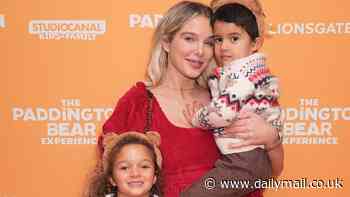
129,167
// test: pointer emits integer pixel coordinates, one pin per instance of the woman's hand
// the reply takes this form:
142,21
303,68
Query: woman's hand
253,129
190,111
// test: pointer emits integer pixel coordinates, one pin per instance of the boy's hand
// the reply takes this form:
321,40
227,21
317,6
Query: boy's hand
190,111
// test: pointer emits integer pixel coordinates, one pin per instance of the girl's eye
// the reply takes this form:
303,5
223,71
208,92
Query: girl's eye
146,166
234,38
123,168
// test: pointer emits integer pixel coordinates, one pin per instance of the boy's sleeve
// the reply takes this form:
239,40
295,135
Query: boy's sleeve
216,114
273,113
221,111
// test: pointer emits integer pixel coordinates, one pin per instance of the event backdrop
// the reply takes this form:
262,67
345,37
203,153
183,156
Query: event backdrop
58,87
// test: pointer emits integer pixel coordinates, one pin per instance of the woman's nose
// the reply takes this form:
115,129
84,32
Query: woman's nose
200,49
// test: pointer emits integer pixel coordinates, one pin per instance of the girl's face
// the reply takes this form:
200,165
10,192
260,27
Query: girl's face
191,49
133,171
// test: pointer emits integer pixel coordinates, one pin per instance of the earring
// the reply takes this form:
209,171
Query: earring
112,190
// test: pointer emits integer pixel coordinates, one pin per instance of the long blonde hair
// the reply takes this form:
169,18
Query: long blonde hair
169,25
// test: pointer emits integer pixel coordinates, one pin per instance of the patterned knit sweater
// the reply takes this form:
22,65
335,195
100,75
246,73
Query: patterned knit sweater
245,83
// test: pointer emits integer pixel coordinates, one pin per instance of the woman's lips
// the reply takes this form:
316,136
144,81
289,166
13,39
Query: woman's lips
197,64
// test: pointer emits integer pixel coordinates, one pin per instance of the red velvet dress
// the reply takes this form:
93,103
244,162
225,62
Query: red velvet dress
188,153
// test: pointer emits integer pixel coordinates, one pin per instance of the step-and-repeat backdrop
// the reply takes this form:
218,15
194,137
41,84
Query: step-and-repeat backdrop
59,86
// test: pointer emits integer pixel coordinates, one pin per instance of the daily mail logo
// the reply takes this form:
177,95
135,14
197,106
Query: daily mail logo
67,29
2,21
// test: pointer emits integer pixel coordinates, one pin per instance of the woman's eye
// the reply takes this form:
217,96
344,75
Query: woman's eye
190,39
217,40
210,42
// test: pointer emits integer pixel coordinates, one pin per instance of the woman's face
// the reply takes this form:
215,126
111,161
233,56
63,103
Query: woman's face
191,49
133,171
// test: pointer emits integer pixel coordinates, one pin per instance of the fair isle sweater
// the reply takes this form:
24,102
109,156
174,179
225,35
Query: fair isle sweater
245,83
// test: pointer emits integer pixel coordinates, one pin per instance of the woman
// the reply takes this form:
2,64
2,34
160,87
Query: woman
182,50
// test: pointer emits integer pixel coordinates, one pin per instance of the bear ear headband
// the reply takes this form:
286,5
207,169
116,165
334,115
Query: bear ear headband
254,5
111,139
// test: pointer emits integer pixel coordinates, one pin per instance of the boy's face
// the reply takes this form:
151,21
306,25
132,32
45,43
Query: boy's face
232,42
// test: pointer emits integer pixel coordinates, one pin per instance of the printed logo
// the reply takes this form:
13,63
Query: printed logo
68,124
144,20
67,29
296,28
311,123
318,28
